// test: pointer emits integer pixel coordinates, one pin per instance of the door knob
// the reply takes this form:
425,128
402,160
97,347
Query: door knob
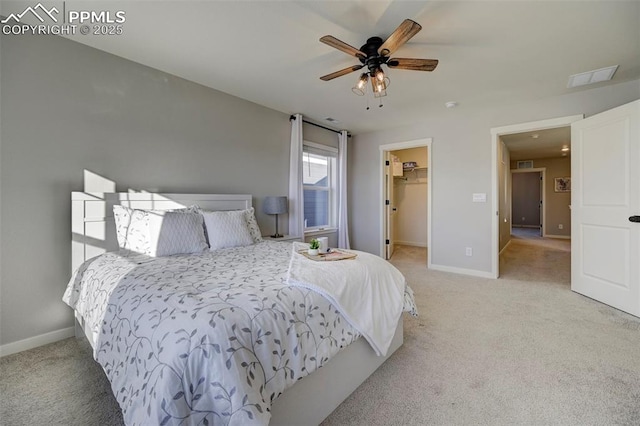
635,219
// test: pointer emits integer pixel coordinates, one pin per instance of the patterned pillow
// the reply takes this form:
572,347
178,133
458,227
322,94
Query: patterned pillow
175,233
132,227
252,224
227,229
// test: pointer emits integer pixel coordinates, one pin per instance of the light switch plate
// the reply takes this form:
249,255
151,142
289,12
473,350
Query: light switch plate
480,197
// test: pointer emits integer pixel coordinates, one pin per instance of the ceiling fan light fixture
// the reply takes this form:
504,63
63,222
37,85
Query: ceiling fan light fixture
380,94
374,54
379,74
361,85
379,88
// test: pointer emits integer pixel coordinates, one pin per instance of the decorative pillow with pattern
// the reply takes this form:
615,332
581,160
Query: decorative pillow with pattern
227,229
252,224
132,229
132,226
175,233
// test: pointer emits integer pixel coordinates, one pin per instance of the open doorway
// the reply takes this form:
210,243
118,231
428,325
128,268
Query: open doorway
405,196
543,147
527,201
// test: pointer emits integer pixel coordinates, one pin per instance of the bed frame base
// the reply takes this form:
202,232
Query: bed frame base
312,399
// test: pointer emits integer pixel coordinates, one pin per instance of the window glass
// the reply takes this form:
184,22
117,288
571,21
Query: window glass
316,208
315,170
319,180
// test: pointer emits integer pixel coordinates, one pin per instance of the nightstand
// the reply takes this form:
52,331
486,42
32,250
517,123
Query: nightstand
284,238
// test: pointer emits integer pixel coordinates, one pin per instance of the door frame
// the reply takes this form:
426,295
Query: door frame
418,143
543,196
496,132
388,194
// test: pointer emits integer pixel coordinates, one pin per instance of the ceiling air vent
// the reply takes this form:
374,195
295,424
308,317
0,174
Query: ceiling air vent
525,164
591,77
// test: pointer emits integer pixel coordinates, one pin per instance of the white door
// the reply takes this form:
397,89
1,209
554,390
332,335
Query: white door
388,210
605,199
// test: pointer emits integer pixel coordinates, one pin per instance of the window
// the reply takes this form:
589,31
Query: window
319,185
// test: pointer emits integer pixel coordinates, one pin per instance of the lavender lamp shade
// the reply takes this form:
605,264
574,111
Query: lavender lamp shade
275,205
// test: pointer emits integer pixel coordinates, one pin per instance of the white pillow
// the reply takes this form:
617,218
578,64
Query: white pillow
175,233
252,224
227,229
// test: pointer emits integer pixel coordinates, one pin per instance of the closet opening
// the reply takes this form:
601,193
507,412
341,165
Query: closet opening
405,197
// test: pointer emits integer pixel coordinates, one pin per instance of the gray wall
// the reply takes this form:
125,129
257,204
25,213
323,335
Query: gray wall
461,166
66,107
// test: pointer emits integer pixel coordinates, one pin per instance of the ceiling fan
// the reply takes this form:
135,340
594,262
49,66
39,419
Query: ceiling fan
375,53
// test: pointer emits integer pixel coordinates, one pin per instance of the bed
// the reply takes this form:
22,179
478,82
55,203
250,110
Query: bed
165,363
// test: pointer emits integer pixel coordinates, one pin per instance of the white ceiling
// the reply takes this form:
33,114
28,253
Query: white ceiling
539,144
268,51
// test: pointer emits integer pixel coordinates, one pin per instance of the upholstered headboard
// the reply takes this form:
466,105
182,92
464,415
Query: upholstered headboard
93,230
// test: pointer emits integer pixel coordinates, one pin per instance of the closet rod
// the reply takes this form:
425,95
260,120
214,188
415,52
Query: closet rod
293,117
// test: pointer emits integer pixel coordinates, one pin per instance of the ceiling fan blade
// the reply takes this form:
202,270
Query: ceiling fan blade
341,72
400,36
413,64
341,45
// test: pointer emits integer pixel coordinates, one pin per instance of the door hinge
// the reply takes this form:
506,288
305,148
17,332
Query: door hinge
386,163
387,242
386,202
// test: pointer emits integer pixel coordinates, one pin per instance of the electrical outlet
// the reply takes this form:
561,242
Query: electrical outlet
560,226
523,218
468,251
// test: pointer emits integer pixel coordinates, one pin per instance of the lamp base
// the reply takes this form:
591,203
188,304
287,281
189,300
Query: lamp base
276,236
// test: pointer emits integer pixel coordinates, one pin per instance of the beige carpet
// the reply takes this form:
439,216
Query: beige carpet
522,350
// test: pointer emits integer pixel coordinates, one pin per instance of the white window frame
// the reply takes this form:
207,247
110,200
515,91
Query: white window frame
332,189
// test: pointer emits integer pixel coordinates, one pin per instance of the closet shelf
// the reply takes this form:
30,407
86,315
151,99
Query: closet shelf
414,169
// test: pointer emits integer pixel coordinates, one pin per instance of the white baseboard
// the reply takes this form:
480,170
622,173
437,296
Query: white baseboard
560,237
505,247
34,342
463,271
410,243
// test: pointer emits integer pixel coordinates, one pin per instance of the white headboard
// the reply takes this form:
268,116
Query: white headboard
93,230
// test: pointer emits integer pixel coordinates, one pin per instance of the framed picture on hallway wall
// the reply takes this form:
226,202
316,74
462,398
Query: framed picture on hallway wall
562,184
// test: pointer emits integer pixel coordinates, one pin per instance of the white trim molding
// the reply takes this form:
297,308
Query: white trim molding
558,237
505,247
36,341
463,271
411,243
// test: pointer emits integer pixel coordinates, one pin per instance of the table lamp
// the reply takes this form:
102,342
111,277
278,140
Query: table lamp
275,205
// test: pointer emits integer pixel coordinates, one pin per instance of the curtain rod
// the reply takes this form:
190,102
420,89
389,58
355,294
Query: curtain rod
293,117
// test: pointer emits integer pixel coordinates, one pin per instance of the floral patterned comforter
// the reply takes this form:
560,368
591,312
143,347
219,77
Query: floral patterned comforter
211,338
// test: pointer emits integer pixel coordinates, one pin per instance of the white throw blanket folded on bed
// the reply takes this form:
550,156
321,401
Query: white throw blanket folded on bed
368,291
